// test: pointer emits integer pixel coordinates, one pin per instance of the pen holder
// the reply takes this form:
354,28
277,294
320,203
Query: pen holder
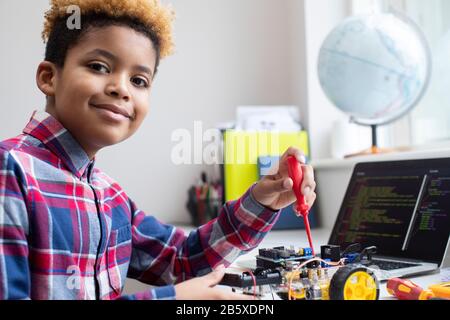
204,203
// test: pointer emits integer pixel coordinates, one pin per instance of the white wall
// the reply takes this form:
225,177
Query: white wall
298,70
321,16
229,53
20,52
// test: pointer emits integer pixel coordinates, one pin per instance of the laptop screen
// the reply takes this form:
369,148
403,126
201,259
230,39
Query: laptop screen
401,207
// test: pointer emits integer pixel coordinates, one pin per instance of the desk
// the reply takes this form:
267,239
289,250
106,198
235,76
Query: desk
297,238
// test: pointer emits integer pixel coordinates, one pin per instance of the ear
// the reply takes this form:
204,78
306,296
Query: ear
46,78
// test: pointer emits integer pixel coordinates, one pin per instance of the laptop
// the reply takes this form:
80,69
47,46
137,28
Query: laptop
402,208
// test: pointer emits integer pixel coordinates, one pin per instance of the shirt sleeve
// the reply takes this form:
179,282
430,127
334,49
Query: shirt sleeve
14,268
163,255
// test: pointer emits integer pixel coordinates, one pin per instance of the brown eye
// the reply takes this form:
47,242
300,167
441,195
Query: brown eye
98,67
140,82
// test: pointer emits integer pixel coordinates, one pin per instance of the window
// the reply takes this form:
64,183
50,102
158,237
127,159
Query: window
429,122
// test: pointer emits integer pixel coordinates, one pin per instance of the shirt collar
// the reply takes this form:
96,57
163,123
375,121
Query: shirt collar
58,139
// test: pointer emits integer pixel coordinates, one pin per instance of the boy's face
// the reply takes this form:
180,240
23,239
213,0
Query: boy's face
102,93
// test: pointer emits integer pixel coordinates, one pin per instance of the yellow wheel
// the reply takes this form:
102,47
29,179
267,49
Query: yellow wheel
354,283
296,295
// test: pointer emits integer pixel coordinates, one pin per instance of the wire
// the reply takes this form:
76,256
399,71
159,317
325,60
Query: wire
353,248
293,274
341,262
251,275
271,292
254,283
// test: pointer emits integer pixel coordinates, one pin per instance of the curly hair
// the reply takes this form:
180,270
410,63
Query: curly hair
148,17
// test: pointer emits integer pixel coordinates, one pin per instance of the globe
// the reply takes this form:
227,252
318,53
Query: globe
375,67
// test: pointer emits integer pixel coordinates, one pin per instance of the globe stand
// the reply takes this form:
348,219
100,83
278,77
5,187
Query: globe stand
374,149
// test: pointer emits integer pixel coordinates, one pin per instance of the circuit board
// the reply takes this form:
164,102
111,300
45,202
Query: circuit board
297,274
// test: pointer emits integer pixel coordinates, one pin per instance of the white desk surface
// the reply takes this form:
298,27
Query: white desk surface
298,239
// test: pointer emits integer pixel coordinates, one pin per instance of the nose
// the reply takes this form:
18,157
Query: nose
117,88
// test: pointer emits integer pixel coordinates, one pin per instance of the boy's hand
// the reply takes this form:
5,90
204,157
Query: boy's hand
203,288
275,191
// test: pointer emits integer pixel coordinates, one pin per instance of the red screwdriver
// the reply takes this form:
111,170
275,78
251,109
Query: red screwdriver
296,174
407,290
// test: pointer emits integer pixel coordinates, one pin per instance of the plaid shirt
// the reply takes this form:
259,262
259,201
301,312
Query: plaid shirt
68,231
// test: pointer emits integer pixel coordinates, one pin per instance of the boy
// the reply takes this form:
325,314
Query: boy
67,230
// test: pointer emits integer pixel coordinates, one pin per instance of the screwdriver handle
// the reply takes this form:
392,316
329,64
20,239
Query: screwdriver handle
407,290
296,174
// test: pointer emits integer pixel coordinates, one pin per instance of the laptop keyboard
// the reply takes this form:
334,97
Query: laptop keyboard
390,265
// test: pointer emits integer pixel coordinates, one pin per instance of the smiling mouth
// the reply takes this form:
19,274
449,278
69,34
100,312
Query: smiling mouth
114,110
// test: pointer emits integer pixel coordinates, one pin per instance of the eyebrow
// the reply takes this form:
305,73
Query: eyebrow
112,57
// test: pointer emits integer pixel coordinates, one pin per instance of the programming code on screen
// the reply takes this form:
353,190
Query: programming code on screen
402,213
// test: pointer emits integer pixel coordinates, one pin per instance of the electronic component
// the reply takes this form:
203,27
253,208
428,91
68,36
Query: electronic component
245,280
314,293
351,257
298,275
330,252
281,257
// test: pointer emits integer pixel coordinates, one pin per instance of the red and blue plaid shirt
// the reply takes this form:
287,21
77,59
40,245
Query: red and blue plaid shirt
68,231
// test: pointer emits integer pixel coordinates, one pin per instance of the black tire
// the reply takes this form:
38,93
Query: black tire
283,295
340,278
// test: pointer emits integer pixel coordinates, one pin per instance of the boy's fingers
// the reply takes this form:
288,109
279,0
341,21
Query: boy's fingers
311,198
213,278
296,152
308,185
275,186
220,267
284,184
